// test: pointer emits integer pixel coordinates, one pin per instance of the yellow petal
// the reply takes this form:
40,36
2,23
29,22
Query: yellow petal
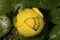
38,12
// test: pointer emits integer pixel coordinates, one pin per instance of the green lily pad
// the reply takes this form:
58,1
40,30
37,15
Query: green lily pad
5,25
49,4
55,33
4,7
55,13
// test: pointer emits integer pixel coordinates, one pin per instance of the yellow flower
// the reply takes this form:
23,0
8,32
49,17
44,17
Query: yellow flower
30,22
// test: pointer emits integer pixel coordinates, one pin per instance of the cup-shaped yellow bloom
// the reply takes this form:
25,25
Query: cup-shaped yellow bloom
30,22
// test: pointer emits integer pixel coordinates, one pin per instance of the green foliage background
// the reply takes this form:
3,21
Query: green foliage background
50,10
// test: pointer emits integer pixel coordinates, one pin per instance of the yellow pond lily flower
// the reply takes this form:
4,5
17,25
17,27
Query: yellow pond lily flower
30,22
